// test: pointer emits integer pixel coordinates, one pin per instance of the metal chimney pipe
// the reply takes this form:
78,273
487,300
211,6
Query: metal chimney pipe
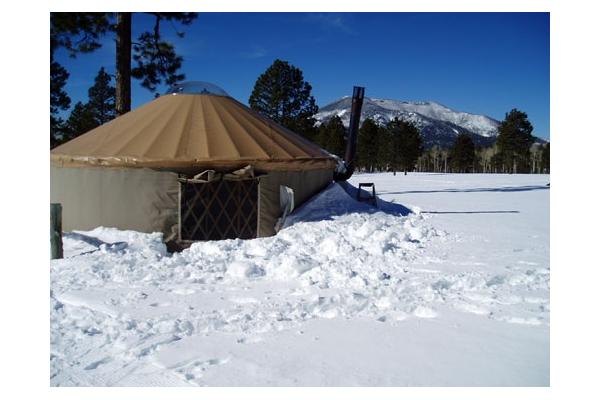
350,156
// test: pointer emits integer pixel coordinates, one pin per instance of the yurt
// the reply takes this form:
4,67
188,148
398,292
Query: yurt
194,164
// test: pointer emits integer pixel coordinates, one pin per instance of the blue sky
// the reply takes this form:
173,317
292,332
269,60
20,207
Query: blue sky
483,63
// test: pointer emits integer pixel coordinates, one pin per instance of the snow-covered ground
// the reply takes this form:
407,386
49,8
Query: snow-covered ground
454,293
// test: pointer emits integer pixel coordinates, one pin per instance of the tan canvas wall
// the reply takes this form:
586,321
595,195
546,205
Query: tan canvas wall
304,183
146,200
135,198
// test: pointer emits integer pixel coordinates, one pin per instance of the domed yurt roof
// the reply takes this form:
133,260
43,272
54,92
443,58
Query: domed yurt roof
195,125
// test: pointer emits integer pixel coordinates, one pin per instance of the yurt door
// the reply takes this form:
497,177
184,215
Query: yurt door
222,209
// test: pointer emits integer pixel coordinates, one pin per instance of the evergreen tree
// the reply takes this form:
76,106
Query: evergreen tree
156,60
77,32
59,100
478,159
406,145
462,154
546,158
514,141
384,150
101,98
99,109
81,120
282,94
497,166
368,144
330,136
321,137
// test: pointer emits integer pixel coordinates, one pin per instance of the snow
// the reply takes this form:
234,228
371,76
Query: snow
446,283
419,112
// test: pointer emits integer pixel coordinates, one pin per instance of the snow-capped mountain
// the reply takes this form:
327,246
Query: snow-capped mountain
439,124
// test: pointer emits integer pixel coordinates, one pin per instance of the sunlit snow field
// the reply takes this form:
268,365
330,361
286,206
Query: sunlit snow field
453,293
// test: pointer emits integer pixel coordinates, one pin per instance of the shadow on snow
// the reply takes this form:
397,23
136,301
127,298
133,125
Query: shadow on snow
340,199
93,241
471,212
498,189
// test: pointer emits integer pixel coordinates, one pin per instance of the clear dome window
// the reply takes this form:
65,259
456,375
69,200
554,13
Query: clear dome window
197,87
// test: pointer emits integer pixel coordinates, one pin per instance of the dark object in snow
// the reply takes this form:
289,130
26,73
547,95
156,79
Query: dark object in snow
385,276
350,156
369,198
56,246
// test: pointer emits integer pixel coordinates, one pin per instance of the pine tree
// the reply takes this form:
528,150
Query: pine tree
123,62
99,109
330,136
77,32
156,59
282,94
368,144
81,120
478,159
101,98
59,100
462,153
385,150
406,145
514,141
321,137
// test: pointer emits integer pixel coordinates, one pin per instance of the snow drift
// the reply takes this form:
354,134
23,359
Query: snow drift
126,312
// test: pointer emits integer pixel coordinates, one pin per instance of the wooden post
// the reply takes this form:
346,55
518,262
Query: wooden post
56,247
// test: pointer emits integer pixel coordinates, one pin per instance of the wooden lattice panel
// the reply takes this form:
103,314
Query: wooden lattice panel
219,210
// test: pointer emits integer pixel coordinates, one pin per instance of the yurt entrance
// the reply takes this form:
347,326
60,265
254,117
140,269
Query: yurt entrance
215,208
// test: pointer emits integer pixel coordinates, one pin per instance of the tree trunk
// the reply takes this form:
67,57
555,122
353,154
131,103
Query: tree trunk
123,69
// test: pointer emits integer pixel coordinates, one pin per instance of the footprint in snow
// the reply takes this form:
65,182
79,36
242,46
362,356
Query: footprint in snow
96,364
159,304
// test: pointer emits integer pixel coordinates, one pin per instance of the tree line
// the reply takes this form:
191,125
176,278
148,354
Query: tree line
282,94
397,146
483,160
515,151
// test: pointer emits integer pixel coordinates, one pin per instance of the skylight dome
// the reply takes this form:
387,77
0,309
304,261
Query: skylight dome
197,87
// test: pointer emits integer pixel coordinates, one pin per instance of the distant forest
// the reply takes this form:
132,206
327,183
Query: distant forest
398,147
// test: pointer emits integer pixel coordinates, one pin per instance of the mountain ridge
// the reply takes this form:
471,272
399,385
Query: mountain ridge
438,123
